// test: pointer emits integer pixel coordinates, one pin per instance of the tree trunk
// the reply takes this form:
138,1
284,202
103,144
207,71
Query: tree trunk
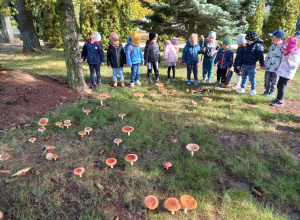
65,11
30,39
7,30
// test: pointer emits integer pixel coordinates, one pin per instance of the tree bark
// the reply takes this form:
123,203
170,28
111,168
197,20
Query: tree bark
7,30
66,15
30,39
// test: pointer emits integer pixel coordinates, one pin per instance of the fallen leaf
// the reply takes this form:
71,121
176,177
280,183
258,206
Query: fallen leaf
11,180
5,171
256,192
101,152
9,149
99,186
37,173
48,137
123,172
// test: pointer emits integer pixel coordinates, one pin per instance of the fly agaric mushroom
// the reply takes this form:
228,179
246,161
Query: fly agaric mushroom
111,162
139,95
88,130
160,89
152,92
151,202
54,156
195,103
173,91
41,129
50,148
159,84
127,129
131,158
82,133
58,123
172,204
102,97
61,126
206,99
164,91
118,141
32,140
174,141
86,111
167,165
231,104
164,110
188,202
49,156
20,172
67,125
142,109
187,90
192,147
122,115
67,121
1,215
43,122
79,171
192,91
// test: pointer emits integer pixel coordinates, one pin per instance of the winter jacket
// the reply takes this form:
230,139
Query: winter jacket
151,53
238,61
190,53
170,52
273,58
209,49
92,52
253,53
116,57
289,65
224,58
134,54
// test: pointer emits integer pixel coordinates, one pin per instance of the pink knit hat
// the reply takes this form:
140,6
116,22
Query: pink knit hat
290,44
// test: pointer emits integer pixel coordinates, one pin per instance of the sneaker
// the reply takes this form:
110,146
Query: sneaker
265,93
209,80
278,103
222,84
196,82
241,90
157,80
94,86
138,82
168,79
132,85
217,83
203,81
252,93
271,94
99,84
122,84
149,81
188,82
275,100
116,84
173,79
236,86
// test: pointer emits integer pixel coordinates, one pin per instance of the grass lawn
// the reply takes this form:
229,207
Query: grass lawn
240,148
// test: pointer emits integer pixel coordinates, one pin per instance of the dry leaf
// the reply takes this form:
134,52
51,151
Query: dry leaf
101,152
48,137
9,149
99,186
5,171
256,192
11,180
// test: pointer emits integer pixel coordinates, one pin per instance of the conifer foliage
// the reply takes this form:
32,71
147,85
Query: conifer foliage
88,20
257,20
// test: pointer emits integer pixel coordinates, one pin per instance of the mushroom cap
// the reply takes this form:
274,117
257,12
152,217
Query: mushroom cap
79,170
206,98
187,90
23,170
127,129
142,109
138,94
131,158
82,133
160,88
193,90
159,84
61,126
167,164
59,123
117,140
194,102
42,129
192,147
102,96
32,139
174,141
164,110
151,202
188,202
173,90
231,103
111,161
67,124
43,121
164,89
51,148
87,111
67,121
54,156
1,215
122,115
49,156
172,204
88,129
153,91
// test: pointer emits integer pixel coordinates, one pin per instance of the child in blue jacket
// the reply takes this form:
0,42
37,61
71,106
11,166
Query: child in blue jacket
190,57
134,57
93,52
224,61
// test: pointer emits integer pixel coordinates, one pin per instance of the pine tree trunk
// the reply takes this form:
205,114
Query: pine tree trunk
65,10
30,39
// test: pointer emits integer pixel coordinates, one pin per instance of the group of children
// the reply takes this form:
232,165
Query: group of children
281,62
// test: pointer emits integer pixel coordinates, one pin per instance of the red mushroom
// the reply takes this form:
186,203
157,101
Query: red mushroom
79,171
151,202
122,115
32,140
41,129
173,91
131,158
127,129
111,162
174,141
118,141
167,165
142,109
192,147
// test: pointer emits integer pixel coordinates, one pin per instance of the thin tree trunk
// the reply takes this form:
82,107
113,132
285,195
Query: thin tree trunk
66,15
30,39
6,29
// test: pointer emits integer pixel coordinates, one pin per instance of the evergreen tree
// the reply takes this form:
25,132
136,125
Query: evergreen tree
226,17
88,20
283,15
126,14
108,19
257,20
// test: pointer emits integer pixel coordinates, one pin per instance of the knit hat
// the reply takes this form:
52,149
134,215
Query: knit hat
174,41
290,44
98,37
240,39
194,39
277,33
152,35
135,37
227,41
212,34
251,35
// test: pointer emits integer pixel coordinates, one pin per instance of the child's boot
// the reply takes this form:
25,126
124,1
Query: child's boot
116,84
122,84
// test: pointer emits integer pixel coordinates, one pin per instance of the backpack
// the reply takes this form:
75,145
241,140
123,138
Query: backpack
131,48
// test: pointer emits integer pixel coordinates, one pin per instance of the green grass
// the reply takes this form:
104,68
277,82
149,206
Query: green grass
238,150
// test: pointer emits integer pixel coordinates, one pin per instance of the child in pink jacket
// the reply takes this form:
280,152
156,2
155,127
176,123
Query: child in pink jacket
170,55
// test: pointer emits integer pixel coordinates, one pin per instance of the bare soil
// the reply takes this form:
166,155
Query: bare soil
25,95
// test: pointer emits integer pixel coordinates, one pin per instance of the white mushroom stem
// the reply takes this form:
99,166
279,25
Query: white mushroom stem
88,132
122,117
185,210
172,212
42,132
67,127
128,133
87,113
101,102
192,153
167,168
131,163
118,144
81,136
153,95
112,166
80,175
55,159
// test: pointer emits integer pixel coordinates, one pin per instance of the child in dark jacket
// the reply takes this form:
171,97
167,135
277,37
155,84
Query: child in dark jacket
210,49
224,61
116,58
93,52
152,56
254,51
240,40
190,57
